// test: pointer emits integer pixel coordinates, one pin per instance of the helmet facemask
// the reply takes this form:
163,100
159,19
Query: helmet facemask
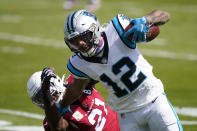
57,88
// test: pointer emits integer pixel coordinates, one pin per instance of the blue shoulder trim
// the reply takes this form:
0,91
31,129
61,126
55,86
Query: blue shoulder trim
120,32
75,71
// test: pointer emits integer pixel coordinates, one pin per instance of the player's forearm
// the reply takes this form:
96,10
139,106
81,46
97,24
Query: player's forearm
73,92
54,118
158,17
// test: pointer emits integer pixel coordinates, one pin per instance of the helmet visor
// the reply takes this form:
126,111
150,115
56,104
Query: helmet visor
74,42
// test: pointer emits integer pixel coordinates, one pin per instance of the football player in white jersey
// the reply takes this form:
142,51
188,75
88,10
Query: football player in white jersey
107,55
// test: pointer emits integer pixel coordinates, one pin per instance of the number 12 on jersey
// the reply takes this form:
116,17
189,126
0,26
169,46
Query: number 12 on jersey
125,78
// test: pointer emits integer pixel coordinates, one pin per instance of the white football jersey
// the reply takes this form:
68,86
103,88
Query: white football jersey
123,71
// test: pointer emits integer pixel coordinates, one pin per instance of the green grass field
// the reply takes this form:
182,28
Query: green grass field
31,38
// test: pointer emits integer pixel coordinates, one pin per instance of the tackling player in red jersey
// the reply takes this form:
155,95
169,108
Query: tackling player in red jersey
88,113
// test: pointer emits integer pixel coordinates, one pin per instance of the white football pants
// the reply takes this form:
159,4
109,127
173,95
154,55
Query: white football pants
159,115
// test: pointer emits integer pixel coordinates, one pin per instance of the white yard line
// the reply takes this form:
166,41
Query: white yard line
4,123
13,50
7,125
169,55
189,122
60,44
189,111
8,18
31,40
21,113
186,111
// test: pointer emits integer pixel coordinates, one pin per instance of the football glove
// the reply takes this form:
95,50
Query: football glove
139,30
47,74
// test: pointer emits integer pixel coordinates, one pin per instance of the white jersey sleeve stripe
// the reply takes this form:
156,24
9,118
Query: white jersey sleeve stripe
120,31
75,71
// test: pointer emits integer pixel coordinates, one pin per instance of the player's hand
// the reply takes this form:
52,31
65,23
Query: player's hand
47,74
139,30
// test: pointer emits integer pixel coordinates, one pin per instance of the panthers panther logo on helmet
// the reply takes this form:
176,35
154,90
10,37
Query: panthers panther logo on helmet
83,25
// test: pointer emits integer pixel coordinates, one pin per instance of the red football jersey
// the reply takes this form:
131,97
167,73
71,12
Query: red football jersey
90,113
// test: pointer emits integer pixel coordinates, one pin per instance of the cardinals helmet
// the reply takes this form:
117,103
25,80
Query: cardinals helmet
35,92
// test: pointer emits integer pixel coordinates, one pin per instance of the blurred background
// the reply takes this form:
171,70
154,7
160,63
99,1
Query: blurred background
31,38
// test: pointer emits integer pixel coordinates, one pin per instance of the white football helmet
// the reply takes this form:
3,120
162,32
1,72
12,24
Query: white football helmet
34,88
83,25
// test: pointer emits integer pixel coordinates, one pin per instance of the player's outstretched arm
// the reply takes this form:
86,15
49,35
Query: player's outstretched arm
158,17
55,120
74,91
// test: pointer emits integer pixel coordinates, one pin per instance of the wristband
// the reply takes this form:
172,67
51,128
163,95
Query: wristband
63,109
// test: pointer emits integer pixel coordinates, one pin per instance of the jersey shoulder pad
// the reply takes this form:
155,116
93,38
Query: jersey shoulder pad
120,22
124,20
74,65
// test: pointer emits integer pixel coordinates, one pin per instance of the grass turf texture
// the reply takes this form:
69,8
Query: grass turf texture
45,19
